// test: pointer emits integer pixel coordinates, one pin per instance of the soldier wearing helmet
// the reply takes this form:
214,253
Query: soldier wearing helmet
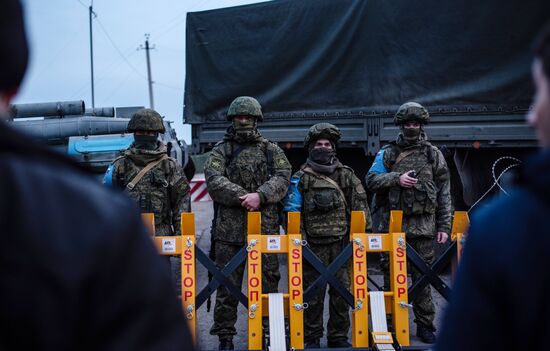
155,181
411,175
325,192
245,172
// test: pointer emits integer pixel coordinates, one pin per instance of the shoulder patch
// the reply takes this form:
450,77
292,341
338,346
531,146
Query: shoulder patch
216,164
281,161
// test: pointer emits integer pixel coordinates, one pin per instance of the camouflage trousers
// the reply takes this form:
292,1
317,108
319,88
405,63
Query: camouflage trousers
339,320
225,310
423,306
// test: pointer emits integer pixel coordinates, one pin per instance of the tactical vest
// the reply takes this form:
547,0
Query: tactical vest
422,197
324,208
151,193
248,165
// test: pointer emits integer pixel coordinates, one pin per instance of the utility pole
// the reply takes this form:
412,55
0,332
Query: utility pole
91,15
147,48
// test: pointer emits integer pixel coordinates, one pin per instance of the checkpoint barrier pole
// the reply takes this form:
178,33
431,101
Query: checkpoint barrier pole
461,222
293,301
396,299
149,221
183,246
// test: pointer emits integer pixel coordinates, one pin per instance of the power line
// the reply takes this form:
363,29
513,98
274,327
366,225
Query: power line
170,28
118,50
169,86
81,3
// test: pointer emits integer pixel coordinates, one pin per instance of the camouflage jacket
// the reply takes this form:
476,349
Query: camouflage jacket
426,206
326,211
234,169
163,190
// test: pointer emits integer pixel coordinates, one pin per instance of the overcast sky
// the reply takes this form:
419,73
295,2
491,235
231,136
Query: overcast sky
58,32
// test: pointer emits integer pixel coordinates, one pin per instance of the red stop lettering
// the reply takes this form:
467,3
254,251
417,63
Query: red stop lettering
401,279
188,282
254,282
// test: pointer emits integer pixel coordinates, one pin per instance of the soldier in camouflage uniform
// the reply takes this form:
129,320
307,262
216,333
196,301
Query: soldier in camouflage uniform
161,189
411,175
325,192
245,172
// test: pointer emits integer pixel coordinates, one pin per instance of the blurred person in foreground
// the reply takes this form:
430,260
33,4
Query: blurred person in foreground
500,300
77,269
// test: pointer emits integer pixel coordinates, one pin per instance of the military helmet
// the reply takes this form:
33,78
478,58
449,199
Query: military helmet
245,106
322,130
411,111
146,119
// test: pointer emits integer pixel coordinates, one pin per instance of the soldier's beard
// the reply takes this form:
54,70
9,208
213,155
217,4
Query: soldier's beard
146,142
411,135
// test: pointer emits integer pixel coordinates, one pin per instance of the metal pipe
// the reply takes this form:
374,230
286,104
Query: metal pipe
100,111
59,129
48,109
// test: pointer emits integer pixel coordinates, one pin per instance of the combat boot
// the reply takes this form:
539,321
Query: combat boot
312,344
425,334
226,344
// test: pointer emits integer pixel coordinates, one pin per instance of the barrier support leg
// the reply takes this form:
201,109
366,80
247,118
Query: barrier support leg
398,276
188,279
461,222
295,294
360,316
295,282
149,221
254,281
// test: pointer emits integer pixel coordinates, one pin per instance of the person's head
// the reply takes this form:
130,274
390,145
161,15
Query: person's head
244,112
410,117
146,124
539,116
14,52
321,140
323,143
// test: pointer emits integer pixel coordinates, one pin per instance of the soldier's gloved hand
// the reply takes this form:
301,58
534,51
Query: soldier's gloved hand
442,237
250,201
406,181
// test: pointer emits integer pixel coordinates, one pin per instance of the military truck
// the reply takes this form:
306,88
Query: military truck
353,62
94,137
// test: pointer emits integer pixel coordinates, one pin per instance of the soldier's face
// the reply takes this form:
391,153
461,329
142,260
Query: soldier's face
145,132
411,125
539,116
243,119
322,143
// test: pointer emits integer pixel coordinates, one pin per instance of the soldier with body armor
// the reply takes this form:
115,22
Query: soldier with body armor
325,192
411,175
245,172
155,181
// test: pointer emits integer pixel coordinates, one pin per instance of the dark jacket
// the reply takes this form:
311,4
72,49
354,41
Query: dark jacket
502,290
77,269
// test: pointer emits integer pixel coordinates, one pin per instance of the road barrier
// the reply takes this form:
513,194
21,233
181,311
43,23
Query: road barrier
293,303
